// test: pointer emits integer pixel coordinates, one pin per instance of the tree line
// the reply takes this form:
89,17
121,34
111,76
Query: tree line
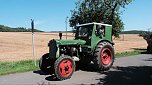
133,32
18,29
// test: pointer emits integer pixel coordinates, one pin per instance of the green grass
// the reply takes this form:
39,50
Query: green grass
130,53
16,67
28,65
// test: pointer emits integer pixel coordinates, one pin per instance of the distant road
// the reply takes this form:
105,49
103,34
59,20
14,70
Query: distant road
132,70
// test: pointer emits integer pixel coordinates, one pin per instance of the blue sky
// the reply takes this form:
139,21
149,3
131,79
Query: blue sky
138,15
50,15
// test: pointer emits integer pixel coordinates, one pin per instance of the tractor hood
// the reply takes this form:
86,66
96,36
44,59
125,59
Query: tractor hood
70,42
54,43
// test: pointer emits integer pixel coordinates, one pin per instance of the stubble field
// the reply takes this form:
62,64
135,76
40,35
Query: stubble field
16,46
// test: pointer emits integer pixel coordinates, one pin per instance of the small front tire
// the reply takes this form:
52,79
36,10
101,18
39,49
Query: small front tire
64,67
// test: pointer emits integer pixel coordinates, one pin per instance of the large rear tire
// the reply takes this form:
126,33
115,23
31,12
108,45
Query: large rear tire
64,67
104,56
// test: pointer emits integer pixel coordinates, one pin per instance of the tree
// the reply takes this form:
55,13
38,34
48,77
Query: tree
107,11
18,29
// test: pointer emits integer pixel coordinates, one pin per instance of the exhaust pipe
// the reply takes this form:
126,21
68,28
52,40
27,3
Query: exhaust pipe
60,35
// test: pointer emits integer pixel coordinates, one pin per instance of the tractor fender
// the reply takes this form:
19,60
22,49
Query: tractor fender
112,43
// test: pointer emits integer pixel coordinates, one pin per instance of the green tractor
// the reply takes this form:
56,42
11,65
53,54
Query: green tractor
92,43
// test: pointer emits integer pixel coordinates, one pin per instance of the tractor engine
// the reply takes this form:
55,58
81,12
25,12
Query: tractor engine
69,50
56,49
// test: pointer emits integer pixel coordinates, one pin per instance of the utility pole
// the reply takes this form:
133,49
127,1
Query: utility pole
33,46
66,23
123,35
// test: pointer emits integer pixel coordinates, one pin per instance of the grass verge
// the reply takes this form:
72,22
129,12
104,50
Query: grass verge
130,53
16,67
28,65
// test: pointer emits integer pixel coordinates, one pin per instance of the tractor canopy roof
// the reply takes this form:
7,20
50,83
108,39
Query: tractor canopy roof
93,24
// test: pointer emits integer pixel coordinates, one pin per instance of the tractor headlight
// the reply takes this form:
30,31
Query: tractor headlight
74,49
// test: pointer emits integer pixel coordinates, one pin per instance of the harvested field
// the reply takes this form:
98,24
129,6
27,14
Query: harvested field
129,42
15,46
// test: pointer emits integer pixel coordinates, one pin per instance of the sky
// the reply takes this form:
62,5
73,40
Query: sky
50,15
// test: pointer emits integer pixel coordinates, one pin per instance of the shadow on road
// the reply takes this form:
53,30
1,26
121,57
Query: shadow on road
149,59
50,77
90,68
40,72
131,75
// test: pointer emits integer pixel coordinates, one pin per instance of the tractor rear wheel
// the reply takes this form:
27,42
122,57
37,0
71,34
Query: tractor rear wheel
104,56
64,67
45,63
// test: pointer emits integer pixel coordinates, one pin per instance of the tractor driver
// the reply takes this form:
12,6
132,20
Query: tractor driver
100,30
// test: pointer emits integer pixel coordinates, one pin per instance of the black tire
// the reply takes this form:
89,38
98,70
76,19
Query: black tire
64,67
46,64
149,49
104,56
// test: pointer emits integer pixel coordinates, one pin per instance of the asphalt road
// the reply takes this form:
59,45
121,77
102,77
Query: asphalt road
132,70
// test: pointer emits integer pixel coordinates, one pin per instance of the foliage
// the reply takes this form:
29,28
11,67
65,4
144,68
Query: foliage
145,34
18,29
107,11
148,37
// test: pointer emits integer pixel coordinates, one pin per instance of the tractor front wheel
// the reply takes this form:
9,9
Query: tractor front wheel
64,67
104,56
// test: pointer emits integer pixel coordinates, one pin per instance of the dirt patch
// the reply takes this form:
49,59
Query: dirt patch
15,46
